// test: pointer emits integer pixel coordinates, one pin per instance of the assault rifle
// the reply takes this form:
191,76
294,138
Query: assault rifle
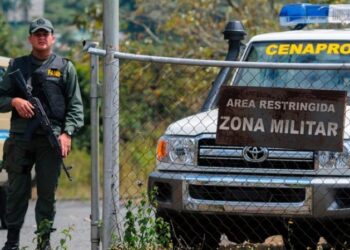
41,118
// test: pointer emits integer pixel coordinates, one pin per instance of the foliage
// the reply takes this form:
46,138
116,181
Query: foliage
91,21
9,45
154,95
4,33
45,228
63,12
66,236
79,188
142,229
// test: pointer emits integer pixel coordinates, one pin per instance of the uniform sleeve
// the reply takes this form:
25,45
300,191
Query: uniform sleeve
74,118
6,93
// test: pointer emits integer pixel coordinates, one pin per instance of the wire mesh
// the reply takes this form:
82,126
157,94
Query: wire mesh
217,198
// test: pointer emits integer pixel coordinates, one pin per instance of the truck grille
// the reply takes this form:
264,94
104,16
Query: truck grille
213,155
247,194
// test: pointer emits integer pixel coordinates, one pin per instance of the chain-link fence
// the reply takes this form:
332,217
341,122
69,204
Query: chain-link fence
215,194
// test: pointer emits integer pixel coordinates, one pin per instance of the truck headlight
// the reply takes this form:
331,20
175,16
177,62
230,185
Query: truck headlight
328,159
180,150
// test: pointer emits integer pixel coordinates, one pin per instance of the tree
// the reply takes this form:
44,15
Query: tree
4,33
9,45
181,28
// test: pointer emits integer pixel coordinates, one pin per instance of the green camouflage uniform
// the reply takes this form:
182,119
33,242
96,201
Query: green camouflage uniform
20,153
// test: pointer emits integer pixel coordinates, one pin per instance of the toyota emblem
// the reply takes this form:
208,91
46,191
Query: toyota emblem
255,154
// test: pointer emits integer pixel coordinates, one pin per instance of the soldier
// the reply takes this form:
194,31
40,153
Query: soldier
54,81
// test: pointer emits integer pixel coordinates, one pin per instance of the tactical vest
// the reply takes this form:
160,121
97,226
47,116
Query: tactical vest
47,84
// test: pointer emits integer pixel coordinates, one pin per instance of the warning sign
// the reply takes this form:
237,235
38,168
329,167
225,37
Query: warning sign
301,119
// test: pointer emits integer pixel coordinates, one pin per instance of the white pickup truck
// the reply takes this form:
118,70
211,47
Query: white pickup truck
251,192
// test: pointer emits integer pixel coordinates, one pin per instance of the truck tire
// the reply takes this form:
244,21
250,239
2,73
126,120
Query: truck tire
3,205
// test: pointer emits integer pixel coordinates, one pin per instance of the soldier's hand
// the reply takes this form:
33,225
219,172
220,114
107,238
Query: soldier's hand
24,108
66,142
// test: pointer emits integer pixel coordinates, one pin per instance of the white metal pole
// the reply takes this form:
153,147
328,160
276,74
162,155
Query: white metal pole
110,121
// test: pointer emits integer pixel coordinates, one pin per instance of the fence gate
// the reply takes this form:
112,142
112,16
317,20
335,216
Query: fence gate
229,192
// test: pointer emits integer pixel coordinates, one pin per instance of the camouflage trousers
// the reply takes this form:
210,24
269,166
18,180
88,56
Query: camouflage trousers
19,158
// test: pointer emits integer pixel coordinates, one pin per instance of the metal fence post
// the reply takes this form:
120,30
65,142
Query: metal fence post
110,121
94,140
94,119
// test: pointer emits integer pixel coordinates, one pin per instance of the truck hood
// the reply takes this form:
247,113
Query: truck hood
200,123
206,122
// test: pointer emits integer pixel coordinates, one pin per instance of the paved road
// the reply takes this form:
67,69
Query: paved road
69,213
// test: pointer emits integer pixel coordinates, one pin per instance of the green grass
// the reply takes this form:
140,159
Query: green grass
80,187
136,161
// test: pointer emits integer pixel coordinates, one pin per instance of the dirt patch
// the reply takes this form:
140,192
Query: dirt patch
274,242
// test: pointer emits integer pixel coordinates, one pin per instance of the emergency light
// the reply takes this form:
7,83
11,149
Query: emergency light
304,13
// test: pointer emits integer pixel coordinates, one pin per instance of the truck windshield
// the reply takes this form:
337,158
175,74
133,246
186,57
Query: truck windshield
297,52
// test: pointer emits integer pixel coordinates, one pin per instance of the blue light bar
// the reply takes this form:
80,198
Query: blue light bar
304,13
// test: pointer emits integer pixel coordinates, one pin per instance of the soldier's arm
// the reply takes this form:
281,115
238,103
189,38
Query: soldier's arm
74,118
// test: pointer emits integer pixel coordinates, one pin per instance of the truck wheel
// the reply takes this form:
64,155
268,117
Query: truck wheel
3,205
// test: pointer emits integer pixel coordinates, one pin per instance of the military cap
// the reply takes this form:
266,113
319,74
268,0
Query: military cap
40,23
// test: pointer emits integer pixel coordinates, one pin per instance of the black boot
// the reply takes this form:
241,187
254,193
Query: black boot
44,242
12,242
